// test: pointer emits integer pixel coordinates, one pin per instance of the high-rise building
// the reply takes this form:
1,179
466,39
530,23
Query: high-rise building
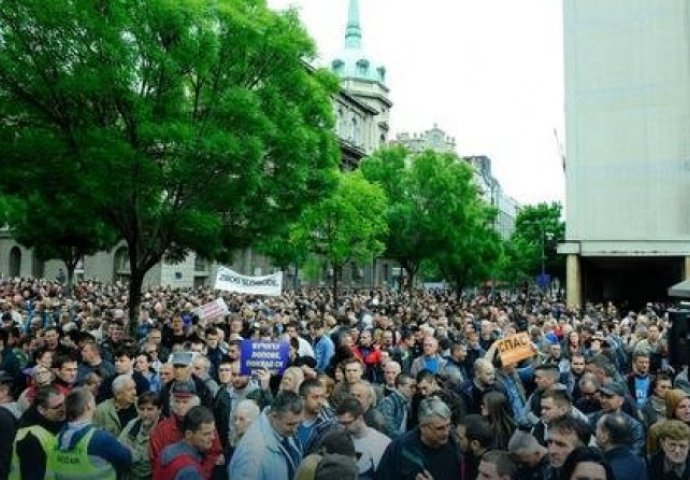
627,106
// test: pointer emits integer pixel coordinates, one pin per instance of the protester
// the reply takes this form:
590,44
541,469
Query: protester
136,434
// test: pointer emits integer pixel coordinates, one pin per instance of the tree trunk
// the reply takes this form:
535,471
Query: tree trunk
136,280
336,275
411,271
69,288
295,279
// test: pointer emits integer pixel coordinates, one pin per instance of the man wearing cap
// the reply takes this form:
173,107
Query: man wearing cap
182,372
183,398
612,395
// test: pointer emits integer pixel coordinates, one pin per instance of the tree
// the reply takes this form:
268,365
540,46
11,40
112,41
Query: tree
459,223
285,250
347,226
187,125
411,238
538,226
63,230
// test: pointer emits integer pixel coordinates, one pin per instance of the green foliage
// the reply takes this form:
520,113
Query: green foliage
347,226
535,224
183,125
435,215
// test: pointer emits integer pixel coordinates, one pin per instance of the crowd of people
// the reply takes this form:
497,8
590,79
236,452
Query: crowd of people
380,385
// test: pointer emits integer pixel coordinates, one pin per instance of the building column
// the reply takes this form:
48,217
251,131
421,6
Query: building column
574,281
687,268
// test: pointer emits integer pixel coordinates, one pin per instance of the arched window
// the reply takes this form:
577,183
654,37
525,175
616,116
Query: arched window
15,262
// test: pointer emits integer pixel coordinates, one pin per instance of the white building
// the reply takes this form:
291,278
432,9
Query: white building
627,85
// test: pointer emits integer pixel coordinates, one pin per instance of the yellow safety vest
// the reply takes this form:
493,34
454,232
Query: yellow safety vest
76,464
48,442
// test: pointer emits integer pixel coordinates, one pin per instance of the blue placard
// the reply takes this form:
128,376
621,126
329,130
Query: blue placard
543,280
273,356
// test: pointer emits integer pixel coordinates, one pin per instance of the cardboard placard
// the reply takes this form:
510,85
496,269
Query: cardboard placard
515,348
214,309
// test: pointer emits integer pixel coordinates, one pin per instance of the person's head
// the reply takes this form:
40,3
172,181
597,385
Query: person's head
166,372
292,379
149,408
201,366
406,385
677,405
199,428
365,338
79,404
387,339
50,403
183,397
42,375
390,371
124,360
90,352
613,430
496,465
124,390
474,435
577,363
225,371
430,346
313,396
545,376
674,438
586,463
142,363
317,328
495,406
51,336
612,396
177,324
434,422
484,373
555,351
350,416
525,449
353,370
44,357
285,413
365,394
244,415
564,435
65,368
653,333
239,382
427,383
182,365
554,403
640,362
155,336
661,384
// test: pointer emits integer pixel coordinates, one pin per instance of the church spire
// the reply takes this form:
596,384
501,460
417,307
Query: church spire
353,33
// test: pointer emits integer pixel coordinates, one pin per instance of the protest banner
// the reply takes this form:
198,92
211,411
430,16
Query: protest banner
273,356
231,281
515,348
214,309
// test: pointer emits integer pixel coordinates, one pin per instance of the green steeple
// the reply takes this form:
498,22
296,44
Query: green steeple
353,62
353,33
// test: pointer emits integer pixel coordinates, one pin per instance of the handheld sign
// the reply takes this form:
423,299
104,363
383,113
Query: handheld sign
515,348
214,309
273,356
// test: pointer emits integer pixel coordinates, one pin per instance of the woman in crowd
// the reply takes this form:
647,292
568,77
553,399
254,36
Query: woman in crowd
496,409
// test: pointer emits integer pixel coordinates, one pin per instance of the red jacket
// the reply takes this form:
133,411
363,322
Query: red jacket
169,431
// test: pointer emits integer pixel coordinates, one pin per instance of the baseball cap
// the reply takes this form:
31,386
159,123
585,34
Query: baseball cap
183,389
182,358
611,388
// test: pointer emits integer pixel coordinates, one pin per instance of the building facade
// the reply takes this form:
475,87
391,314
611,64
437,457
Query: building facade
627,106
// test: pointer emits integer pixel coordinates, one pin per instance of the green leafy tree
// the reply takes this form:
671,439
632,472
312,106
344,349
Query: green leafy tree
187,125
347,226
537,226
411,237
461,235
285,249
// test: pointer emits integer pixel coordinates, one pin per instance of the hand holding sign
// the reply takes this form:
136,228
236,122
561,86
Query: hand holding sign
514,348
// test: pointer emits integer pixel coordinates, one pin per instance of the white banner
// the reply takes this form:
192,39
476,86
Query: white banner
230,281
214,309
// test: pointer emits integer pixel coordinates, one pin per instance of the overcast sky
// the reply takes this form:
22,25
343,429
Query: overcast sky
488,72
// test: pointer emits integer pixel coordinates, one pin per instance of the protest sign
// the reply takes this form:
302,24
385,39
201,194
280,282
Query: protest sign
515,348
272,356
214,309
231,281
